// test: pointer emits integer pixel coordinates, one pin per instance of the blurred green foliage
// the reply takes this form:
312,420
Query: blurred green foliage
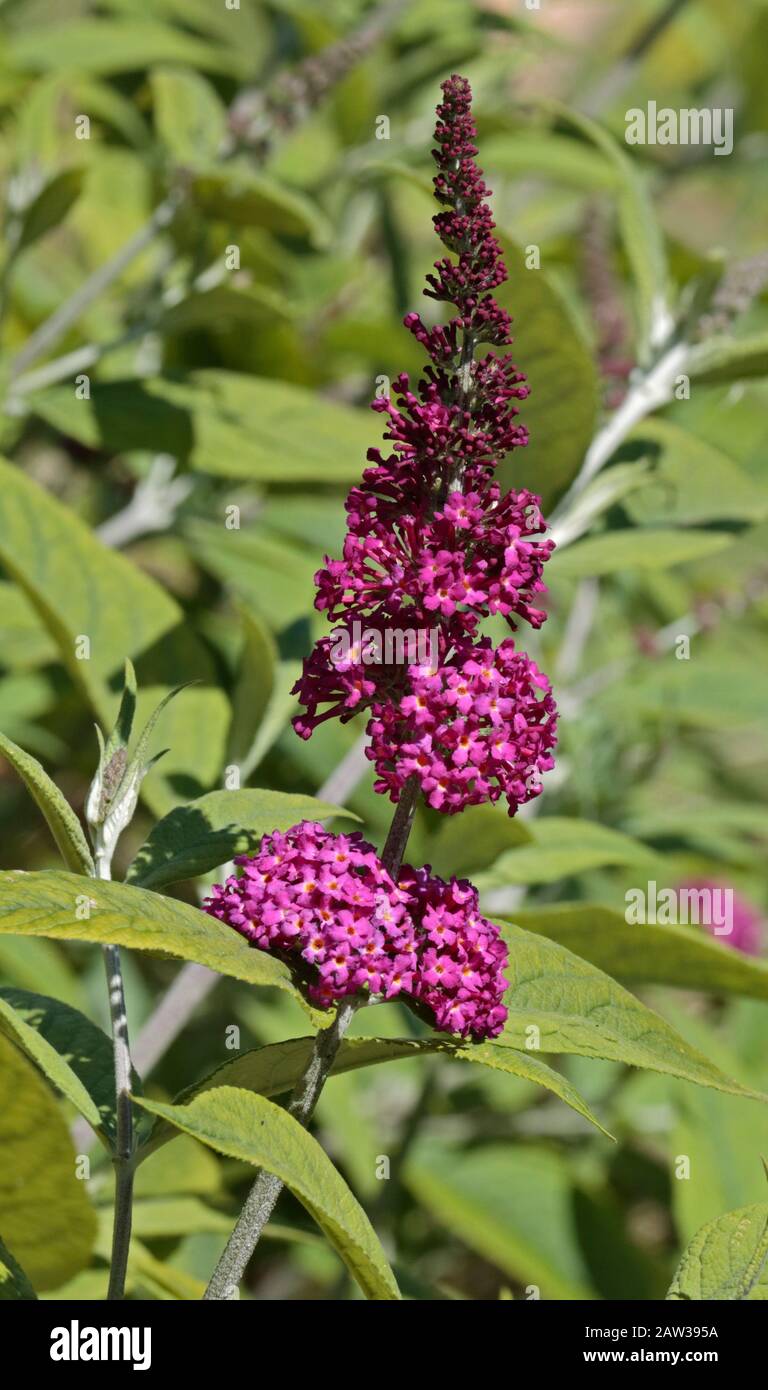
243,341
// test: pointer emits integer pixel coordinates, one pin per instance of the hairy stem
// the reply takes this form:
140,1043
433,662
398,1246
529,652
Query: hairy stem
123,1152
266,1189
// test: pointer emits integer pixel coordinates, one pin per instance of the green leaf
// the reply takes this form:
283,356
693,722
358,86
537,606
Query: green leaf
528,1068
545,155
608,487
75,1055
722,1138
45,1215
693,482
107,46
25,642
271,575
729,359
79,588
513,1205
475,840
639,227
275,1068
190,119
33,963
647,954
224,423
49,208
560,846
254,687
719,687
726,1258
62,821
212,830
14,1283
250,1128
575,1008
187,1169
156,1218
47,904
223,309
561,411
237,193
642,548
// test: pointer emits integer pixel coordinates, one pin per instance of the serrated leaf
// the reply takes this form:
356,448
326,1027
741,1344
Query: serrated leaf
79,588
46,904
45,1215
643,547
62,821
75,1055
211,830
14,1283
574,1008
648,953
248,1127
275,1068
726,1258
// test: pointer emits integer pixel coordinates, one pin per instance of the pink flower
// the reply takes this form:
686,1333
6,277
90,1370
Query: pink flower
433,545
487,728
421,938
731,919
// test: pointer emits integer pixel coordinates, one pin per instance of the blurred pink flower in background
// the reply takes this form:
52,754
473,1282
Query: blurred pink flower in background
747,920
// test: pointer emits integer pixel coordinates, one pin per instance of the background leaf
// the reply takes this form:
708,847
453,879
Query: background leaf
652,954
72,1051
250,1128
45,1215
211,830
79,588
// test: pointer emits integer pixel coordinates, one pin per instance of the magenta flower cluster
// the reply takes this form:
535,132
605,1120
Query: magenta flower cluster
326,904
434,545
